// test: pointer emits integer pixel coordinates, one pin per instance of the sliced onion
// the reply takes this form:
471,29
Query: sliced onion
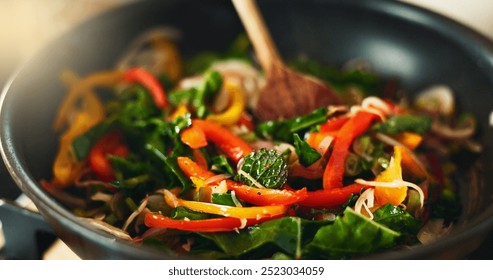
324,145
135,213
235,199
452,133
433,230
100,196
366,201
153,231
244,75
377,103
117,232
216,178
436,98
337,109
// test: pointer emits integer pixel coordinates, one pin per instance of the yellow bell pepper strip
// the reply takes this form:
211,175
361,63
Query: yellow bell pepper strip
397,195
193,136
354,127
66,167
233,113
331,198
144,77
179,111
206,225
233,146
254,212
255,196
79,89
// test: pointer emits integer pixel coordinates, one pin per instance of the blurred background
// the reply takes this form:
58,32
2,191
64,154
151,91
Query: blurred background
28,25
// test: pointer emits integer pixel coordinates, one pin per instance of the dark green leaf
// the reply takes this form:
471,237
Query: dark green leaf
82,144
397,219
267,167
350,235
289,234
306,154
182,96
220,164
180,213
283,130
172,165
223,199
400,123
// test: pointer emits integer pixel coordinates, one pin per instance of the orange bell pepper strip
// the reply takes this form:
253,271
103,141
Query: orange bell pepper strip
397,195
330,198
193,137
233,146
142,76
191,169
409,139
256,196
254,212
206,225
354,127
315,138
110,144
200,158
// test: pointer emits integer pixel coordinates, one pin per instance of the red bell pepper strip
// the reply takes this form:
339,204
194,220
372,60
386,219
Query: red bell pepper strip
110,144
354,127
247,121
330,198
142,76
264,197
333,124
207,225
256,196
233,146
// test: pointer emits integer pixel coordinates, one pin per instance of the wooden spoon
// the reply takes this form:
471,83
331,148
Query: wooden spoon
287,93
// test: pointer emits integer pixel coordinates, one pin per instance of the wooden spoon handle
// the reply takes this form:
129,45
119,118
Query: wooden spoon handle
256,29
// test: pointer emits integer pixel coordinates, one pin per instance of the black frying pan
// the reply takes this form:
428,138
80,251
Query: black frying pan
419,47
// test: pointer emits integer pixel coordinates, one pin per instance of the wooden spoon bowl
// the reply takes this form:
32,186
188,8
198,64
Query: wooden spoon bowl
287,93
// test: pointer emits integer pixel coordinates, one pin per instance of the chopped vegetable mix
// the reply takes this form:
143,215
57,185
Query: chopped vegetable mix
182,164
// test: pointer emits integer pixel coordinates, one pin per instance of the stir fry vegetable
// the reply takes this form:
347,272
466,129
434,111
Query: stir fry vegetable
180,161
